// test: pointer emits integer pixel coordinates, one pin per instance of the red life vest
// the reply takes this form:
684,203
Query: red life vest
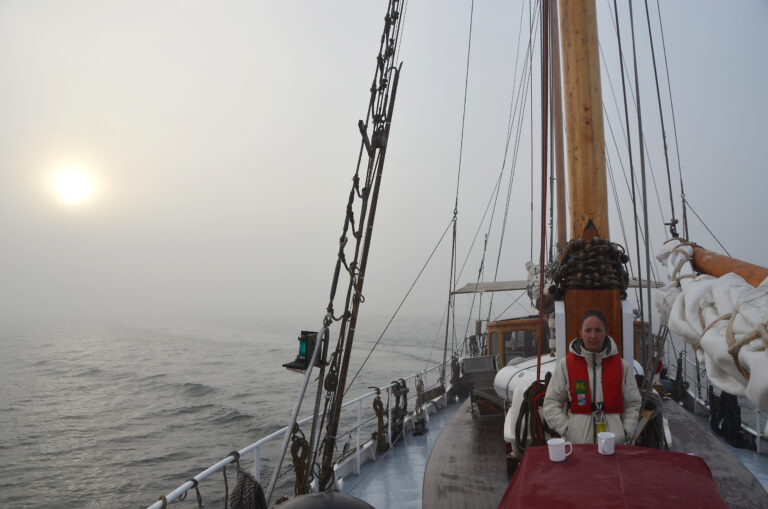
578,384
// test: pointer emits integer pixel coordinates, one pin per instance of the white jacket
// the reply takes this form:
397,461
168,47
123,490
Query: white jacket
578,428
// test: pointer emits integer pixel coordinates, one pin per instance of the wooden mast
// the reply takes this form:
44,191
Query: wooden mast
587,188
584,119
557,121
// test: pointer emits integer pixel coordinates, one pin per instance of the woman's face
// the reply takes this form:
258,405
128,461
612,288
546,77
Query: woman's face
593,332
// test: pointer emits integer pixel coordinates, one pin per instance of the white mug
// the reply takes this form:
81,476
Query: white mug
605,442
557,449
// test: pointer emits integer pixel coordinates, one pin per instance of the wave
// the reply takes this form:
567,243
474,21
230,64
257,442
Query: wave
178,411
156,460
195,390
152,377
86,372
231,416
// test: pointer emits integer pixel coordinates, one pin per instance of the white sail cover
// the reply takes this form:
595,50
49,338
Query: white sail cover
724,318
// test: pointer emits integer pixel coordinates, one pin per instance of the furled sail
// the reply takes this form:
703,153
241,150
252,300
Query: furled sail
724,318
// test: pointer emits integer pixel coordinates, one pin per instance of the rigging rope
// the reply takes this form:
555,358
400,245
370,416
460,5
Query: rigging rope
506,308
674,124
623,70
497,186
707,227
612,180
402,301
378,118
530,129
626,140
673,222
518,95
522,101
642,174
452,271
631,162
544,132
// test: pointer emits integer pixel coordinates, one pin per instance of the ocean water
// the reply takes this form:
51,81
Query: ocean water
114,416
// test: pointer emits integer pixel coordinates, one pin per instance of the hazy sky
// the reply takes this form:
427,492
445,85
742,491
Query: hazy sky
221,138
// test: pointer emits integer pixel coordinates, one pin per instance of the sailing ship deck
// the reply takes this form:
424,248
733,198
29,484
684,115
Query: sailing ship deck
395,478
468,470
467,467
736,483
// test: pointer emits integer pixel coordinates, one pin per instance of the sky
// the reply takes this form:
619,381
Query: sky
220,139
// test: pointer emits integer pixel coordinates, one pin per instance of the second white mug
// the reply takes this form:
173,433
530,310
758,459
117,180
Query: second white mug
605,441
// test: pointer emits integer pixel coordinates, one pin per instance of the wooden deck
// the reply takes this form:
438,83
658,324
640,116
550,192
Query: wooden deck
467,467
737,485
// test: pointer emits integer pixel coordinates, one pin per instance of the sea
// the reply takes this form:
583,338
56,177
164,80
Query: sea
112,415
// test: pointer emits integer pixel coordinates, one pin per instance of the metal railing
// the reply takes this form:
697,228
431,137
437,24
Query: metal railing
697,378
255,448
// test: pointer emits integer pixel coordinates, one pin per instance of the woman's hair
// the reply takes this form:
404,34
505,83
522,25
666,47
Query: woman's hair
595,313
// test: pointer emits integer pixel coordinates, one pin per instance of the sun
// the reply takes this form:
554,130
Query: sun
73,185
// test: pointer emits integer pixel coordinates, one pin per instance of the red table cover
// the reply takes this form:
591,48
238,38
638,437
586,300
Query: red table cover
634,477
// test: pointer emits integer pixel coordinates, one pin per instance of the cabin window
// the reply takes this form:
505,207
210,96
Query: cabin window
493,344
519,343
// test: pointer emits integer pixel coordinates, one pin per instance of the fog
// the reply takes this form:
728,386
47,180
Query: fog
222,137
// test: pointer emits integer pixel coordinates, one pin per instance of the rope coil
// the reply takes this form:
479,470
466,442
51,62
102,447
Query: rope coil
299,456
528,420
380,434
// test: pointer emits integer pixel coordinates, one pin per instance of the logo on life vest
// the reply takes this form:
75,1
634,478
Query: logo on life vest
580,387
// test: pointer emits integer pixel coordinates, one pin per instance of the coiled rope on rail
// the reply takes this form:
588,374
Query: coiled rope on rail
380,434
400,391
299,456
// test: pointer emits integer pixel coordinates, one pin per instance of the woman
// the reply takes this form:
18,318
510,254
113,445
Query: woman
592,388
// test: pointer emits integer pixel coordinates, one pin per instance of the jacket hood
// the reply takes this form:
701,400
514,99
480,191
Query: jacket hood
609,348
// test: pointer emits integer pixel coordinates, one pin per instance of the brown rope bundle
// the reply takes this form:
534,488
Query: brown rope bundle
299,456
247,493
591,264
380,434
529,422
400,411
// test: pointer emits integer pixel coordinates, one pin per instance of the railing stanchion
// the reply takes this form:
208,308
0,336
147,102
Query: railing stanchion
257,464
389,416
357,440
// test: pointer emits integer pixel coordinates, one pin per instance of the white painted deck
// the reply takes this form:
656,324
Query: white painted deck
396,477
